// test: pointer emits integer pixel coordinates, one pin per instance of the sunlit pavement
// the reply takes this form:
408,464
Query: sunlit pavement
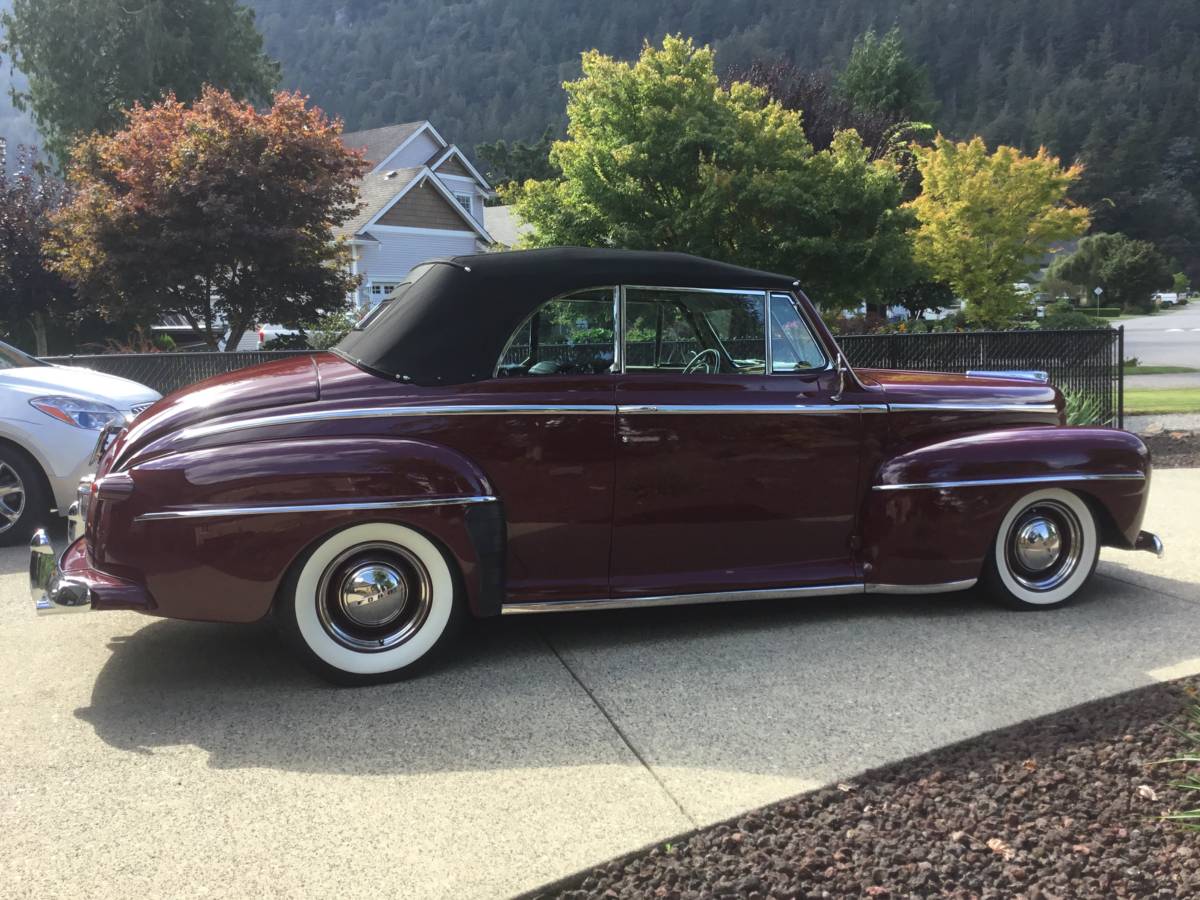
152,758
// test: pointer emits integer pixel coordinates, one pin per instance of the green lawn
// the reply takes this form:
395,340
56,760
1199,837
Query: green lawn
1169,400
1159,370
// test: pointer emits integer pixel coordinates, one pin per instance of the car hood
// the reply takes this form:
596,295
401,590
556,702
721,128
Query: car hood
279,383
74,381
900,387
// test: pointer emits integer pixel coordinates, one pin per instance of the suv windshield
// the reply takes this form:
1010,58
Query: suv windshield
12,358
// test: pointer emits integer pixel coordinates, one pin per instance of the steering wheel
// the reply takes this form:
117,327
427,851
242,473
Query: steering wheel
700,359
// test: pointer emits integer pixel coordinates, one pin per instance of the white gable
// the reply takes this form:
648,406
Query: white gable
416,152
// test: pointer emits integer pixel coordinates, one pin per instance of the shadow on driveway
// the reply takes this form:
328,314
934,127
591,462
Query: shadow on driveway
771,689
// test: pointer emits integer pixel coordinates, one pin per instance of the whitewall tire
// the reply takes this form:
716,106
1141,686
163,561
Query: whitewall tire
1044,551
370,603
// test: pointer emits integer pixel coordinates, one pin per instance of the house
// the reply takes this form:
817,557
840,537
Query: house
505,227
422,198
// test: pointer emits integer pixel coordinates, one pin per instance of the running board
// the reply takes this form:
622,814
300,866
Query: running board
822,590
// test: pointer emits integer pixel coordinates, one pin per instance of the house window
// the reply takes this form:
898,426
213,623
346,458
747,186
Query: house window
464,201
380,289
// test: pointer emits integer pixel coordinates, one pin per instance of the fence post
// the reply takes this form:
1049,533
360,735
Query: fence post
1121,376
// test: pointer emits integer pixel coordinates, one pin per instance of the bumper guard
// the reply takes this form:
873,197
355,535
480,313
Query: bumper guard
1148,540
51,590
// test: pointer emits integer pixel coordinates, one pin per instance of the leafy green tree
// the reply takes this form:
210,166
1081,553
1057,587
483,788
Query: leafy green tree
1180,283
87,61
216,212
1129,271
986,219
880,76
660,156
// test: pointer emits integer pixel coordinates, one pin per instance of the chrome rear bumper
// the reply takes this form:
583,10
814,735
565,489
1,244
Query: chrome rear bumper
1148,540
53,592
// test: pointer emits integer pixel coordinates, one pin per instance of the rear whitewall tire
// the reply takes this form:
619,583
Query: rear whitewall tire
1054,587
334,657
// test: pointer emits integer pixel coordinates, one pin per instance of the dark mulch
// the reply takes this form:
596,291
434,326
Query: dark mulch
1174,449
1064,806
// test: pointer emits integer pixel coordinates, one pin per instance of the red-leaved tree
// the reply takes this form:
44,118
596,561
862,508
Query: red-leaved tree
214,211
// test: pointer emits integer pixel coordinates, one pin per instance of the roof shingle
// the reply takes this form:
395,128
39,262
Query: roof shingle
379,142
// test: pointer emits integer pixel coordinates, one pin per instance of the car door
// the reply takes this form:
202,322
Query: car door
736,465
551,460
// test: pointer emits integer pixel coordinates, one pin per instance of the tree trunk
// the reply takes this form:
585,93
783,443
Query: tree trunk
39,333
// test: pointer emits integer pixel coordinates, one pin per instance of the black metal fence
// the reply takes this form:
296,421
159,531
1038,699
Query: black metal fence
167,372
1084,363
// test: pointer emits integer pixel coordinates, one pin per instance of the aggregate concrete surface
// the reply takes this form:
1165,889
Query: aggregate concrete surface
160,758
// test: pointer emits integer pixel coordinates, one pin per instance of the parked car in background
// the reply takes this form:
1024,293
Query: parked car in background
548,430
50,417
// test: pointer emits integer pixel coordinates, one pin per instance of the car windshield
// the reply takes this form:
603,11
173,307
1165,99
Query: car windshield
12,358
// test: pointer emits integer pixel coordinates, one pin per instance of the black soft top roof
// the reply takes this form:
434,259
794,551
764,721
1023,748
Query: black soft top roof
451,324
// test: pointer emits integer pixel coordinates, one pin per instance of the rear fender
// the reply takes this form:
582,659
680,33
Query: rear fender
227,567
932,511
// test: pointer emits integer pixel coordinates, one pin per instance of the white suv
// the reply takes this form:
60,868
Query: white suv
50,419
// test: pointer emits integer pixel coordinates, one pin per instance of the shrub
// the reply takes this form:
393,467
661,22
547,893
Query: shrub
1082,409
1063,315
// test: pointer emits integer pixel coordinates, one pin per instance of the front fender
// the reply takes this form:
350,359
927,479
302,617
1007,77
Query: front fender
156,522
932,511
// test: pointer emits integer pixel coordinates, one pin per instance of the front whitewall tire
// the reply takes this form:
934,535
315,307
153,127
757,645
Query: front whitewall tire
1004,577
306,599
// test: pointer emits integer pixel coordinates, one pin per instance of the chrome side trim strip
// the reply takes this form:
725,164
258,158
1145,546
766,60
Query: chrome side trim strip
1035,375
992,482
974,407
547,606
944,588
381,412
823,590
221,512
814,409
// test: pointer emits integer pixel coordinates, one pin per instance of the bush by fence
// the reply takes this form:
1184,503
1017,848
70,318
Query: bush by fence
1085,362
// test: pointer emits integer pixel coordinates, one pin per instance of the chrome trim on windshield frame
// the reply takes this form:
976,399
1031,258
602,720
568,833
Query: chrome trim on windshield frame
974,407
993,482
222,512
820,590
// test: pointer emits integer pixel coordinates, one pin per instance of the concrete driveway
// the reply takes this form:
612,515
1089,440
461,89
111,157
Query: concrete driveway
155,758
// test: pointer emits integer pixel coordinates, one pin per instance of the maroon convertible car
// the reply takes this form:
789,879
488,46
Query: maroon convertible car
574,429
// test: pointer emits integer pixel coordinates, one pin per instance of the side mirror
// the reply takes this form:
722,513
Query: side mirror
842,365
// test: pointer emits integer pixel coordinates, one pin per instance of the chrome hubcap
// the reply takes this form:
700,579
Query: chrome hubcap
1044,546
1038,544
374,597
12,496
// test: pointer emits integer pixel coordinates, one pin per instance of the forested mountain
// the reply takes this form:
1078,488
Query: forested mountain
1113,82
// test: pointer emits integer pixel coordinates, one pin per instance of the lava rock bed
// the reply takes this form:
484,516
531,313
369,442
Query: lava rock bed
1062,806
1173,449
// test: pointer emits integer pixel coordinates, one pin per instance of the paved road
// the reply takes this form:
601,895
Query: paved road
1169,338
154,758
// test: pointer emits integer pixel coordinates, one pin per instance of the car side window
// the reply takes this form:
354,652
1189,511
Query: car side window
793,346
694,331
572,335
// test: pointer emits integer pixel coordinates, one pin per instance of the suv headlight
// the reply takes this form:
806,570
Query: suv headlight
81,413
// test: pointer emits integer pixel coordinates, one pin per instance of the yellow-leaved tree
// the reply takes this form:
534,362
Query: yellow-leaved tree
986,220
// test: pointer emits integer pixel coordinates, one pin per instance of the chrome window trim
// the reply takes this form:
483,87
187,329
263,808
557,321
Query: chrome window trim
567,296
995,482
221,512
739,292
383,412
981,406
821,590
